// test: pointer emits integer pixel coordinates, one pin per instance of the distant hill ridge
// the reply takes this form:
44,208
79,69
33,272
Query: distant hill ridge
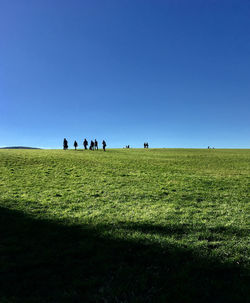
19,147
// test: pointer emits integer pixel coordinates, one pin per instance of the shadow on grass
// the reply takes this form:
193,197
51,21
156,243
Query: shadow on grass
45,261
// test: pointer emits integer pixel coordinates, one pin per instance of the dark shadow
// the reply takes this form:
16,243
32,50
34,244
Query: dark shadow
46,261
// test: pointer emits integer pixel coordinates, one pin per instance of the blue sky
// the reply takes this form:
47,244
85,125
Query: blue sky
173,73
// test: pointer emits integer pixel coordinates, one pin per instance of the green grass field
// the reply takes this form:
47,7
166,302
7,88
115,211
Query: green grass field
157,225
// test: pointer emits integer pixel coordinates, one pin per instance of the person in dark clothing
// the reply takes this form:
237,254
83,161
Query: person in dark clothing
85,143
65,144
104,144
75,145
92,144
96,144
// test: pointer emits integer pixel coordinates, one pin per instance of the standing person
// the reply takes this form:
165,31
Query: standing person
75,145
96,144
104,144
65,144
92,144
85,143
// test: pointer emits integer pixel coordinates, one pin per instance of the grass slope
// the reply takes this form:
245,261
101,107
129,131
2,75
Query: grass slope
19,147
157,225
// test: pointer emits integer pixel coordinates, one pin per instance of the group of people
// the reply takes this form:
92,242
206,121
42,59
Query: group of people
93,144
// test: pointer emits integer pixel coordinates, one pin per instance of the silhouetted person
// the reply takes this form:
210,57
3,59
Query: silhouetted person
65,144
75,145
96,144
85,144
147,145
104,144
92,144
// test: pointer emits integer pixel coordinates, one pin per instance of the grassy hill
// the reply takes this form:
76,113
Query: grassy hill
18,147
157,225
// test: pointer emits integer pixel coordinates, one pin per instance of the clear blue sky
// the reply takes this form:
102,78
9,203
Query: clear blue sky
173,73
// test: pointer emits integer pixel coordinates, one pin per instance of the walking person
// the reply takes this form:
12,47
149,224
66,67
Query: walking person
104,144
65,144
96,144
85,143
92,144
75,145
